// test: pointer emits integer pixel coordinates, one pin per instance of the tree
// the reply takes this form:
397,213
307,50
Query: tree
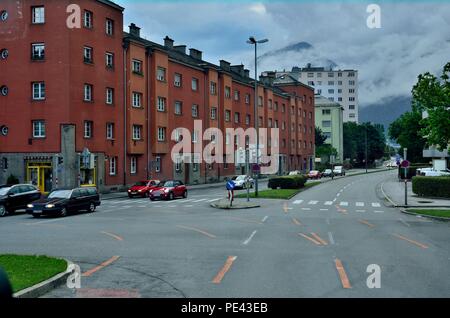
432,95
320,137
406,131
325,151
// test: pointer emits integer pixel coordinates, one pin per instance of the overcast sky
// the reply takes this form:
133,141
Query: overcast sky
414,36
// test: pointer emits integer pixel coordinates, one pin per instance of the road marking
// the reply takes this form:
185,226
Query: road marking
330,238
317,237
306,209
99,267
214,200
172,206
197,230
312,202
366,223
188,200
244,220
343,203
376,205
359,203
126,206
249,238
342,274
329,203
323,209
309,238
410,241
297,202
201,200
404,222
337,195
224,269
188,206
115,236
378,211
265,219
361,211
296,222
327,221
387,197
142,206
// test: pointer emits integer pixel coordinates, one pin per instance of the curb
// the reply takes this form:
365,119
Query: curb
235,207
439,218
44,287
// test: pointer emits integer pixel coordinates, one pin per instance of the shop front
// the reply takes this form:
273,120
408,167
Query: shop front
40,174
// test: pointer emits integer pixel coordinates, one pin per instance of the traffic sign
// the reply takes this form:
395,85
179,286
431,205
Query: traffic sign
230,185
405,164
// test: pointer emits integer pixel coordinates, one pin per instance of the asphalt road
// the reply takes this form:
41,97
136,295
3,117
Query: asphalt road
318,244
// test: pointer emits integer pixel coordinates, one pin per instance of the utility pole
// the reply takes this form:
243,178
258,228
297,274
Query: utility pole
366,150
405,151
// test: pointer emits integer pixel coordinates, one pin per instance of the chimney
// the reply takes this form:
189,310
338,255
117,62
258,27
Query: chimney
135,30
168,42
225,65
180,48
247,73
268,78
238,69
196,54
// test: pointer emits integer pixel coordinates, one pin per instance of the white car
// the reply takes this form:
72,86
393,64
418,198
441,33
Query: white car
434,173
241,181
421,171
339,171
295,173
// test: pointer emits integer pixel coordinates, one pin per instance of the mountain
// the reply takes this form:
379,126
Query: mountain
386,111
296,47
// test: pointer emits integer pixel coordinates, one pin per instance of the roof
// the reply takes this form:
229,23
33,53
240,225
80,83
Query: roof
112,4
321,101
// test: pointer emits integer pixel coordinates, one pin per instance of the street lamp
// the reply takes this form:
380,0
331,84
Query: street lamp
255,42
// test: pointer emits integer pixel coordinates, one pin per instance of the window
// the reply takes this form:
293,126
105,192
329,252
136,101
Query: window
227,138
330,83
38,15
269,123
275,106
339,74
178,164
110,131
319,74
311,83
112,166
136,67
88,93
326,123
351,90
276,124
109,27
339,82
339,99
339,91
319,91
247,119
310,115
109,96
88,129
178,109
213,88
351,74
237,95
270,104
158,164
260,121
247,98
177,80
137,132
37,51
331,91
3,15
38,129
327,135
227,115
195,111
331,74
109,59
227,92
283,125
310,75
351,99
352,115
88,56
352,107
88,23
352,83
326,111
237,118
260,101
195,136
38,90
161,104
133,165
161,133
283,108
331,99
161,74
194,84
137,99
213,113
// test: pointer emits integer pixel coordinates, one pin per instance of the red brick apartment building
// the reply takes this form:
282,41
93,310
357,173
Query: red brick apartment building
93,105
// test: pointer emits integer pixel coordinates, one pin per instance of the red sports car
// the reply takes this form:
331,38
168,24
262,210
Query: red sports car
142,188
168,190
314,174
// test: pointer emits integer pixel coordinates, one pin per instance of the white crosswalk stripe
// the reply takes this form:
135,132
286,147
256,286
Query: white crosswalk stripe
312,202
343,203
328,203
376,205
359,203
297,202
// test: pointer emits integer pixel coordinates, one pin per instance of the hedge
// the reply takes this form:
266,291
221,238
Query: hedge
287,182
431,186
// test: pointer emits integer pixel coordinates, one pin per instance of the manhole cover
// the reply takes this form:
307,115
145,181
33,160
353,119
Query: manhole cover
425,201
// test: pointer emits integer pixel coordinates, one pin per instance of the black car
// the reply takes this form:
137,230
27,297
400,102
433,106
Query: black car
62,202
17,197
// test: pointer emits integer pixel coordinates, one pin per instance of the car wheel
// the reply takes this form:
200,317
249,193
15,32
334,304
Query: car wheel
63,212
185,194
3,211
152,199
171,196
92,207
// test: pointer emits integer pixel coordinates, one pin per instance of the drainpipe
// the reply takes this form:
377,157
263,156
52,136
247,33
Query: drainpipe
125,86
149,105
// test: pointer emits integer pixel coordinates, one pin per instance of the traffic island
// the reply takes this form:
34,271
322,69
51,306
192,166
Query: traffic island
237,204
33,276
437,214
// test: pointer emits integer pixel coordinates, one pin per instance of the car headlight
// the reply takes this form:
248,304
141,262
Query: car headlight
150,191
30,206
166,190
139,190
50,206
129,190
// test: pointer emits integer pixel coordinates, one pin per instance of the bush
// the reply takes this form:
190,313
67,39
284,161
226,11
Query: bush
12,180
288,182
431,186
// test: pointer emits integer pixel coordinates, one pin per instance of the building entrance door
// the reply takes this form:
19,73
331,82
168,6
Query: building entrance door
40,175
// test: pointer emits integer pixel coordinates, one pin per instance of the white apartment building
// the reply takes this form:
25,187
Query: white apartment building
340,86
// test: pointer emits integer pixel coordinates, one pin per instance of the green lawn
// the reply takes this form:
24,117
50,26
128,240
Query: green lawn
283,194
24,271
432,212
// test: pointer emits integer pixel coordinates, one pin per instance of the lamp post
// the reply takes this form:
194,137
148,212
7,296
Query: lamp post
255,42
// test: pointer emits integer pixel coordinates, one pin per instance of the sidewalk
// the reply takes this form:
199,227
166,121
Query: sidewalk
394,191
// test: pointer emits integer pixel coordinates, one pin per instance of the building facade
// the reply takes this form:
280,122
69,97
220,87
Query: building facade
93,105
339,86
329,118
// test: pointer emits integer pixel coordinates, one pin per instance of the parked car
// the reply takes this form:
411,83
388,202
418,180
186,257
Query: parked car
295,173
421,171
327,173
339,171
17,197
142,188
168,190
314,174
240,182
434,173
62,202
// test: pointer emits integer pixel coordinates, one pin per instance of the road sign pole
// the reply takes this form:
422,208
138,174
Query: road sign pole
405,151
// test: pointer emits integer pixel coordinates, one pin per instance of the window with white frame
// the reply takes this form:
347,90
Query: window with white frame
227,92
88,92
213,113
247,119
109,59
351,99
178,164
194,84
213,88
133,165
352,83
351,90
247,98
88,54
269,123
161,133
37,51
195,111
275,123
110,131
88,19
227,138
158,164
38,15
137,99
109,95
177,80
352,107
112,166
237,95
109,27
136,66
137,132
38,90
38,129
161,104
237,118
275,106
178,109
88,127
227,115
195,136
260,101
161,74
